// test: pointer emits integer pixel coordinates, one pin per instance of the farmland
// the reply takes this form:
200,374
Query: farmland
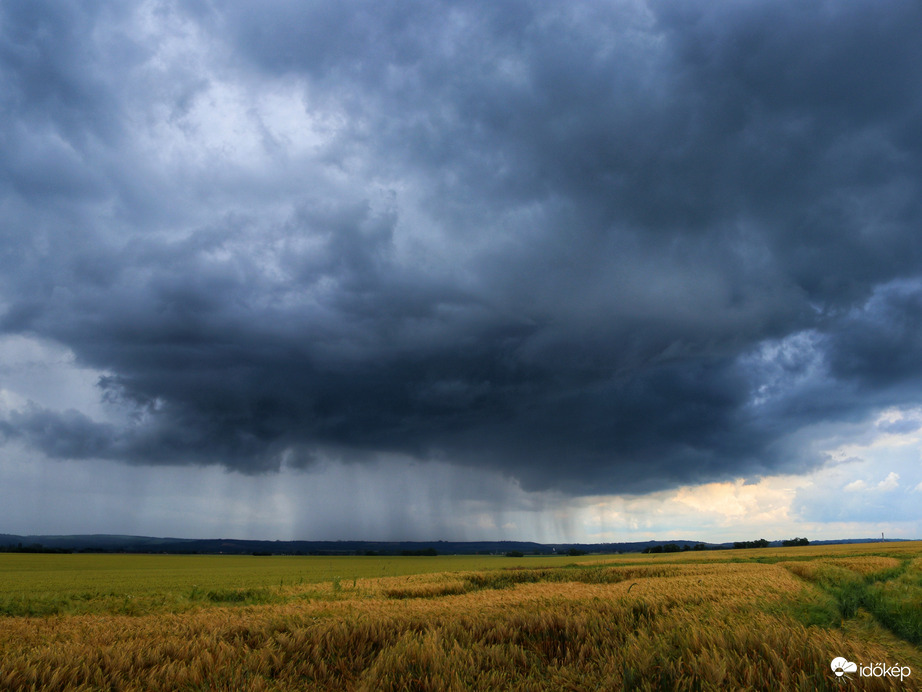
760,619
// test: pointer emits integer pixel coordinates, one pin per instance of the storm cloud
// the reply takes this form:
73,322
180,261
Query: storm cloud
596,247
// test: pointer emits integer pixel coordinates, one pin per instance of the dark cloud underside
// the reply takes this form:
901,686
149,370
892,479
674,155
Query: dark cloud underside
599,247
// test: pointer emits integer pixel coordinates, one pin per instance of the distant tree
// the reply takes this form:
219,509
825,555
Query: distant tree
761,543
33,548
671,548
576,551
699,546
515,553
795,541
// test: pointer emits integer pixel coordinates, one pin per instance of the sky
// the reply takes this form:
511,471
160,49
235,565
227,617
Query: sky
563,272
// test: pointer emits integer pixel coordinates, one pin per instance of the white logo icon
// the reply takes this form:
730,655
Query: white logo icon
840,666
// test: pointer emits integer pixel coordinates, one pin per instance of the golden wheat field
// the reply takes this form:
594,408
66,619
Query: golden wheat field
765,619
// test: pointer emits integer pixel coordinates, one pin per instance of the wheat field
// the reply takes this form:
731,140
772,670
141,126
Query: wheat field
711,620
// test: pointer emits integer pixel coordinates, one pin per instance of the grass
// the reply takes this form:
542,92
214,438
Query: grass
764,619
72,584
892,593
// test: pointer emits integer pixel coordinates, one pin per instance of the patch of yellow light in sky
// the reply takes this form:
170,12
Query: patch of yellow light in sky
767,500
720,505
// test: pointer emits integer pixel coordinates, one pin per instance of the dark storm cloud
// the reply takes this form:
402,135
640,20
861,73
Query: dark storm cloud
597,246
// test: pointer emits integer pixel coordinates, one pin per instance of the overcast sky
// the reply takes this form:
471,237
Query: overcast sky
526,270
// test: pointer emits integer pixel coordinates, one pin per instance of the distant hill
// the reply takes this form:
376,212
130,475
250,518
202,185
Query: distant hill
230,546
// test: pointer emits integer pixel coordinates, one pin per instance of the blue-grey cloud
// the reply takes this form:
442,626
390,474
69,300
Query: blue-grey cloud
596,247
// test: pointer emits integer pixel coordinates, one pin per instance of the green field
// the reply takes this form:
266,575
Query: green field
712,620
49,584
